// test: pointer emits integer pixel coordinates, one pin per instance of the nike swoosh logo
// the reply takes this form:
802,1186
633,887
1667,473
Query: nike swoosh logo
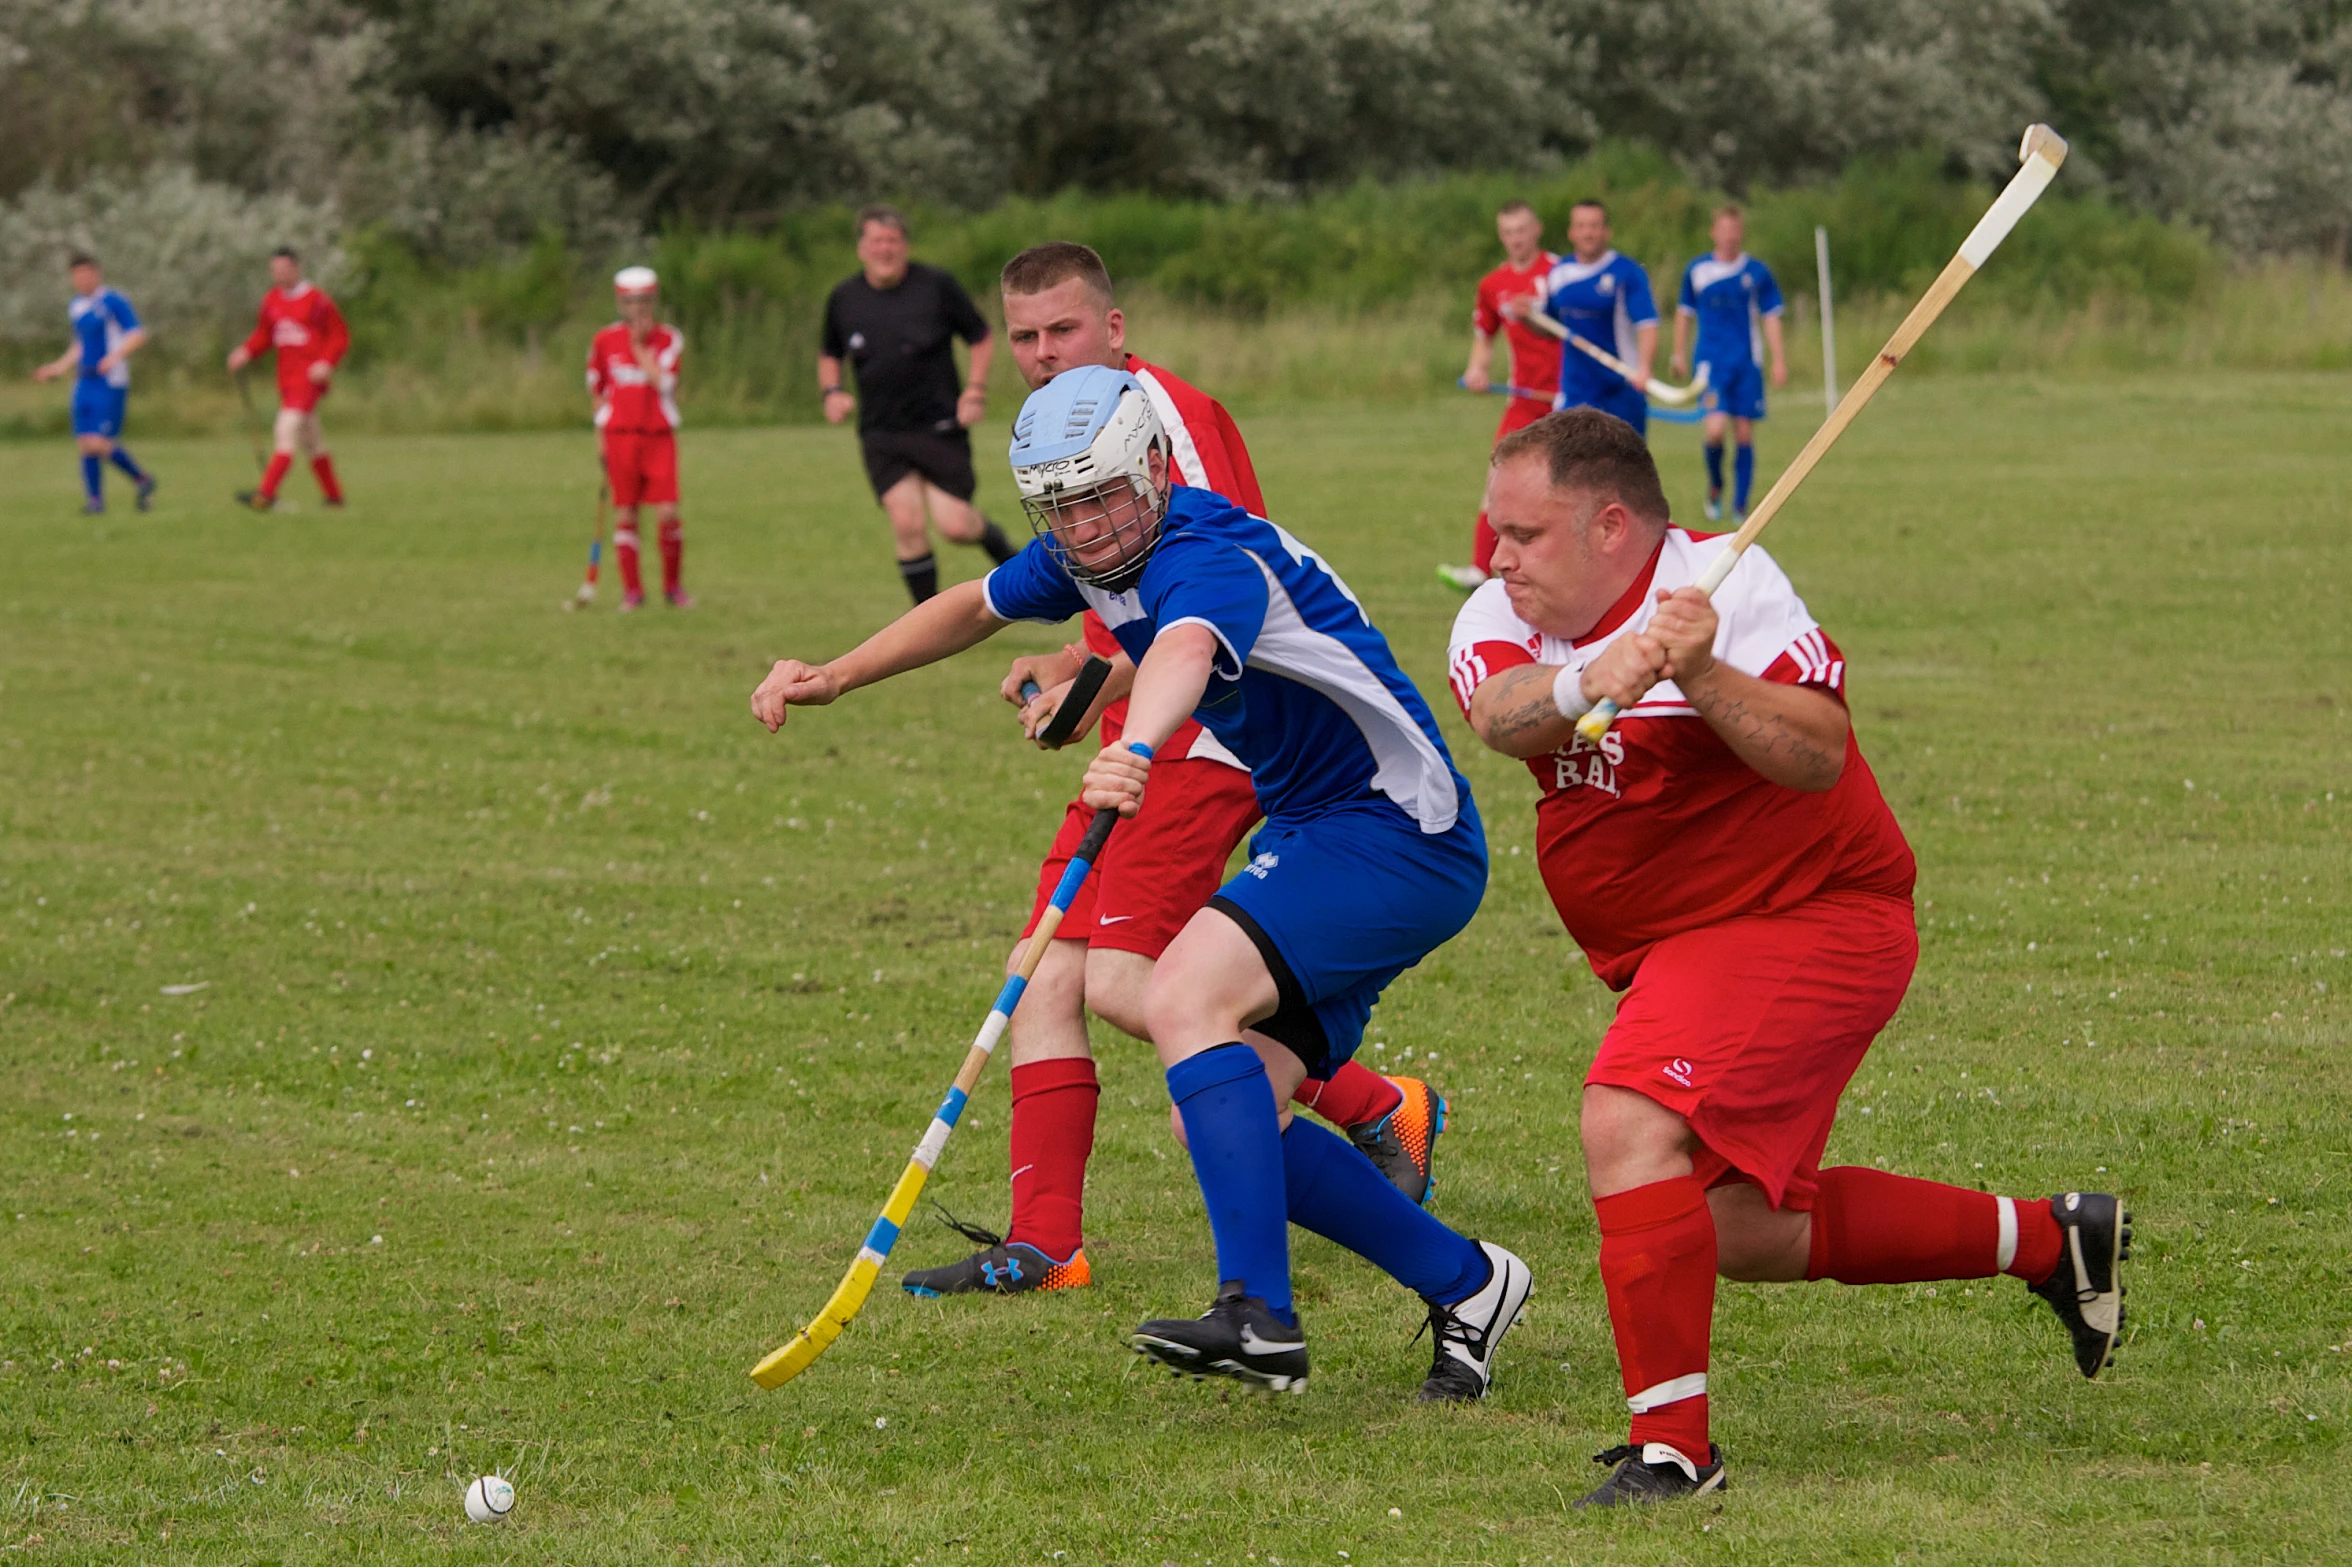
1258,1346
1112,919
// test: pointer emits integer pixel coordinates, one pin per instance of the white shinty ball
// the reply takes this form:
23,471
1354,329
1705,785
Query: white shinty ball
489,1499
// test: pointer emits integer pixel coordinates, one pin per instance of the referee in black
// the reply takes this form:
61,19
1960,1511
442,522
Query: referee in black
894,323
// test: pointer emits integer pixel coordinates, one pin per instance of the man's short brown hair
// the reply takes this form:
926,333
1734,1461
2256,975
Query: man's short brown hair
1054,263
1515,206
1730,209
1586,449
1595,203
884,214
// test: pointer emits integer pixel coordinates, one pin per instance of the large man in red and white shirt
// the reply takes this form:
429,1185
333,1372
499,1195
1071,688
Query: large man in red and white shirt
1532,377
1158,870
302,326
633,375
1724,857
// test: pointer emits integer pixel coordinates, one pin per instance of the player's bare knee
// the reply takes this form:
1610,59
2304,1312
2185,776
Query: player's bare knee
1176,1128
955,518
1116,983
1756,1243
1630,1139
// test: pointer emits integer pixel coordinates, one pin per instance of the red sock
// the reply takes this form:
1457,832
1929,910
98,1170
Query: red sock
1658,1268
1482,550
1053,1134
322,467
673,553
1351,1096
1870,1227
625,555
275,474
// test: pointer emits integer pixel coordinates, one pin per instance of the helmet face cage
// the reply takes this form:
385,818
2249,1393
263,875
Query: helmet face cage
1124,510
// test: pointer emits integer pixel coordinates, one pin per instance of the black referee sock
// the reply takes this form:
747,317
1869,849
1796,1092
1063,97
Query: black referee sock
992,539
922,576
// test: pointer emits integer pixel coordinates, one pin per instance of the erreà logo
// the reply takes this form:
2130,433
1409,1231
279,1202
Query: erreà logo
1262,864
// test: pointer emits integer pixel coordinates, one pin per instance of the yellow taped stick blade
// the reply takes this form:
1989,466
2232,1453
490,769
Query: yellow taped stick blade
813,1340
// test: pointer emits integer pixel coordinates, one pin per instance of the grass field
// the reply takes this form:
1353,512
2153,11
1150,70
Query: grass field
563,1030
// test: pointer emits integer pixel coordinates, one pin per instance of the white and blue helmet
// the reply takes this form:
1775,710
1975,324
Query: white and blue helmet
1081,456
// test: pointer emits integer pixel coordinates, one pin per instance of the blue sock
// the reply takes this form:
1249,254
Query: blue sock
1715,468
1744,467
1340,1195
122,460
1236,1137
94,478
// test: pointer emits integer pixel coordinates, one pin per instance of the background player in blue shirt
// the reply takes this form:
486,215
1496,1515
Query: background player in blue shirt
1605,299
1736,303
1371,855
106,333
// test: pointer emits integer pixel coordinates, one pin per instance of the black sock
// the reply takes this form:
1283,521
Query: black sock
992,539
922,576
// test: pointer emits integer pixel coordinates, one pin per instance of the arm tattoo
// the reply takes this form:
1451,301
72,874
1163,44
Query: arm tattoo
1523,720
1768,736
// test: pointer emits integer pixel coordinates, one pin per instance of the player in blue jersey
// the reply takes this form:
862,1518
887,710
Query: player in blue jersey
106,333
1605,299
1736,304
1371,856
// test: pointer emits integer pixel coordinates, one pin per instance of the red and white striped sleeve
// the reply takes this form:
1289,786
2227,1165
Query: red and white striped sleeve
1768,632
1489,637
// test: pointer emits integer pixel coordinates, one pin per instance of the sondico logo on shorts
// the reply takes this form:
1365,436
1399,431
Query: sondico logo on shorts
1680,1070
1262,864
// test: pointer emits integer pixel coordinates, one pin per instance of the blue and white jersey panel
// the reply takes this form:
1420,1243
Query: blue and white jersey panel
100,322
1603,302
1306,693
1730,300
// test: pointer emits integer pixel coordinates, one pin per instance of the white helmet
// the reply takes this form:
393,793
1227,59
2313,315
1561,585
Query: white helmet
1081,458
635,280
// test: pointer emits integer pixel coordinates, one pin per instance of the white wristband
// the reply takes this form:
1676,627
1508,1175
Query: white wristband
1568,693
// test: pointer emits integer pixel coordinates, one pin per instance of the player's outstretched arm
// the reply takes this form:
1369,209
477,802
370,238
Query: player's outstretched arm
955,620
1169,684
64,364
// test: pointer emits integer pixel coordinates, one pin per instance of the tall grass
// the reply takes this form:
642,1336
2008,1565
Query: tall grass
1360,294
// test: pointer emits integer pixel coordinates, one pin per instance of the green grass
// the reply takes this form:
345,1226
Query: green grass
530,953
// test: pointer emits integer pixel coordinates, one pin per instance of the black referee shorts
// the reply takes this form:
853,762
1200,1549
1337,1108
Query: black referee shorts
942,456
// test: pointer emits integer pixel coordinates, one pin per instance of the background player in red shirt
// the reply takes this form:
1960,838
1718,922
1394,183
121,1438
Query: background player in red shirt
1534,366
1158,869
633,375
305,329
1724,857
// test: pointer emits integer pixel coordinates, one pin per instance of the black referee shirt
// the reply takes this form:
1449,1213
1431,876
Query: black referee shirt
899,341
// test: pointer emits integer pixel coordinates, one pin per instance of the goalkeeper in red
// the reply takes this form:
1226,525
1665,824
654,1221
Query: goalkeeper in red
633,376
1724,858
302,326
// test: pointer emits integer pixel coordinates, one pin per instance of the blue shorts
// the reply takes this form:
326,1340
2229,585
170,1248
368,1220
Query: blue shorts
98,408
1623,401
1734,387
1341,903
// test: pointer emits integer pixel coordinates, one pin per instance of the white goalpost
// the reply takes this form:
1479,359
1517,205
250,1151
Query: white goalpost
1829,386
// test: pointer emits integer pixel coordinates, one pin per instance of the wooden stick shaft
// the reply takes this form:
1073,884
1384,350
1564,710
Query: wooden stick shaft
1948,283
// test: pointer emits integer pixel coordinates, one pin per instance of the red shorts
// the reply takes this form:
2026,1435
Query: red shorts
642,467
1749,1030
301,394
1518,414
1159,869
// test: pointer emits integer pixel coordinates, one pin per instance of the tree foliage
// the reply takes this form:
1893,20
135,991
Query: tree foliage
467,129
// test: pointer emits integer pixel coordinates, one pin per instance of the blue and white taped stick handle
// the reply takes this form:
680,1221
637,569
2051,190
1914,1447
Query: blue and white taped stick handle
812,1341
